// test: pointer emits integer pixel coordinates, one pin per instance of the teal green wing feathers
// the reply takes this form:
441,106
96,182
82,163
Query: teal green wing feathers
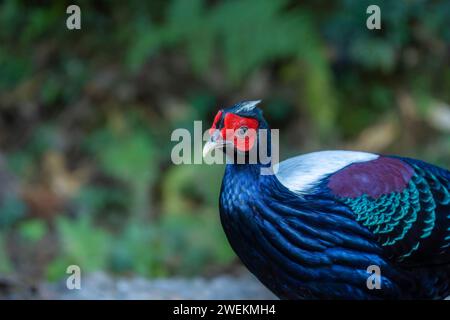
413,224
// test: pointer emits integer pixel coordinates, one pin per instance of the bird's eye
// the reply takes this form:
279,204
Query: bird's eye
242,131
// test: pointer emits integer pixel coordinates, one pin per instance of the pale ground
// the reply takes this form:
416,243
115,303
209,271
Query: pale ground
102,286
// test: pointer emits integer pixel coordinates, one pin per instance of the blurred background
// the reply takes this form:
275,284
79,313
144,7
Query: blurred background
86,117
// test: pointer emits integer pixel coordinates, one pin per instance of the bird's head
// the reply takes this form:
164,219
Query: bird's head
236,128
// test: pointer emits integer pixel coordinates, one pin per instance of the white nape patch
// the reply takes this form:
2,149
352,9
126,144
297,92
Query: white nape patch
301,173
248,105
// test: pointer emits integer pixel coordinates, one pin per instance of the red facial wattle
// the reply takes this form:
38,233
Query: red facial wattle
216,121
232,123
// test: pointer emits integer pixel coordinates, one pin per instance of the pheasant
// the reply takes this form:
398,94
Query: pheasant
315,227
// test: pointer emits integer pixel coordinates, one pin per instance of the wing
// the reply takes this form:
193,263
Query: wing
314,243
405,203
299,253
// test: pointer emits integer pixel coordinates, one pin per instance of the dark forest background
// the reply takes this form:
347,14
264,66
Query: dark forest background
86,116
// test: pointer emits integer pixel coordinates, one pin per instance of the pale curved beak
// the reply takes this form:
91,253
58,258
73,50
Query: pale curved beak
209,146
214,142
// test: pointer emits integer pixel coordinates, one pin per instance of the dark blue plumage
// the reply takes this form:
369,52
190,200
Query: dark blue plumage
313,229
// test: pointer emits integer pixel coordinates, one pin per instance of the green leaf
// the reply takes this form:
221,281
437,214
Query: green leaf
33,230
83,244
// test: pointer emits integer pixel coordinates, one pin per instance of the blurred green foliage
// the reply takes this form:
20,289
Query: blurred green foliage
86,116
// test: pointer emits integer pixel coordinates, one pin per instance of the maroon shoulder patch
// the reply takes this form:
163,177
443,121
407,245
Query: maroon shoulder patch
374,178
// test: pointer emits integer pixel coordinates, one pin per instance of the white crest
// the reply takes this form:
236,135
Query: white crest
248,105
